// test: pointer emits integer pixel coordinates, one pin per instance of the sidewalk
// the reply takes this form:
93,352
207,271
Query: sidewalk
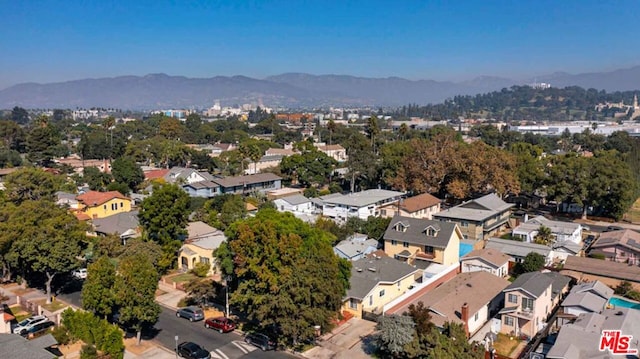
171,297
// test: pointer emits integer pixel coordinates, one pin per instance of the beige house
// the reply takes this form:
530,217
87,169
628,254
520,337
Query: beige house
529,301
480,218
413,240
470,299
487,260
202,240
420,206
337,152
376,281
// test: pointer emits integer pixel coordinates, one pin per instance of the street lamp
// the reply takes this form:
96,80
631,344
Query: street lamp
176,338
226,292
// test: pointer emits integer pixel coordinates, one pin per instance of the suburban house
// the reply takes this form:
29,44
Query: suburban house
488,260
355,247
587,297
422,241
376,281
124,225
103,204
359,204
155,174
337,152
470,299
287,151
202,240
261,182
17,346
67,200
519,250
184,175
618,246
78,164
218,148
581,339
529,300
480,218
283,192
610,273
267,161
420,206
296,203
204,189
561,231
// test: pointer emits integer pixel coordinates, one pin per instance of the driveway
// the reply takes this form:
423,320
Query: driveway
348,341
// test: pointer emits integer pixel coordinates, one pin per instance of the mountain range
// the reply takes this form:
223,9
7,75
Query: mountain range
294,90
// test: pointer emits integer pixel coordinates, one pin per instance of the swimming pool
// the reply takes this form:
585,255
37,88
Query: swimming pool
619,302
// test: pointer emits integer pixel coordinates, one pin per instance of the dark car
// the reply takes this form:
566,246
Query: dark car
40,327
192,313
613,228
260,340
221,324
191,350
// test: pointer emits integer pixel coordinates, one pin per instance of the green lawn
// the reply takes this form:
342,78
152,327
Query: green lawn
182,278
54,306
633,215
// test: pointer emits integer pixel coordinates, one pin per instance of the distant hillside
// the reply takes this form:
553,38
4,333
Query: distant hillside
290,90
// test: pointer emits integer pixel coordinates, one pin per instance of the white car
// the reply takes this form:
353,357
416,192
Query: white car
80,273
26,324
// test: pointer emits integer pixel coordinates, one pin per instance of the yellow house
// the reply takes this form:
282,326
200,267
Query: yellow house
376,281
202,240
103,204
417,239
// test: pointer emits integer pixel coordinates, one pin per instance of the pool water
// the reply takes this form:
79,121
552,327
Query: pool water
619,302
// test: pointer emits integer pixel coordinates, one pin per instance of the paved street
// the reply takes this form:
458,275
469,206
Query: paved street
221,346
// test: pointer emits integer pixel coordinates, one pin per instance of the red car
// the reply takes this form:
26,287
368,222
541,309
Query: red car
221,324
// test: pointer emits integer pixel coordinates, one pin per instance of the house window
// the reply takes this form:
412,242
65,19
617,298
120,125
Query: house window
527,304
513,298
105,207
353,304
204,260
370,300
394,242
382,293
464,224
121,204
475,317
114,206
405,244
428,249
431,232
508,321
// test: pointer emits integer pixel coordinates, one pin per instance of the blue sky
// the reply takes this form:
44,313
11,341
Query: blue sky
46,41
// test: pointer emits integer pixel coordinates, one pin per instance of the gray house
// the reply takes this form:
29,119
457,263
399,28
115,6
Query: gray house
355,247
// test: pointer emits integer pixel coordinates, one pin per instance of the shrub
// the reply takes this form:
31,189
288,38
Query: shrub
94,332
88,352
597,256
61,334
201,269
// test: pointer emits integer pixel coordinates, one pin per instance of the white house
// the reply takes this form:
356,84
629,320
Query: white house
187,175
360,204
488,260
561,231
589,297
295,204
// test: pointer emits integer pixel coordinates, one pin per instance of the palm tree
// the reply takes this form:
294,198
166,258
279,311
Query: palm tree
403,131
331,126
544,236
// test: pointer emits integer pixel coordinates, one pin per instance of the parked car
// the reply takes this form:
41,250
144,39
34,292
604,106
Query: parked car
221,324
191,350
613,228
26,324
39,327
80,273
194,314
261,341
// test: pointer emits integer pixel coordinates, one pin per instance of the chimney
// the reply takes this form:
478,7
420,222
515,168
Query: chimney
464,314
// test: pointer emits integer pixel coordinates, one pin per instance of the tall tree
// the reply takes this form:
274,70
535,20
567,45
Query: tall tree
47,240
98,293
42,142
32,184
19,115
394,333
331,126
135,288
126,170
284,266
97,180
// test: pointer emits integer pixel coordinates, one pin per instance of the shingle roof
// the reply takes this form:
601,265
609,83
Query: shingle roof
445,302
199,229
246,180
366,273
556,227
491,256
477,210
361,199
421,201
516,248
626,238
535,283
201,185
15,346
603,268
117,223
94,198
353,247
596,287
155,174
204,236
588,301
415,231
295,199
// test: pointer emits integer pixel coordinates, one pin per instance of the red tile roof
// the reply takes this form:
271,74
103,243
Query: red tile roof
94,198
8,317
155,174
82,216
